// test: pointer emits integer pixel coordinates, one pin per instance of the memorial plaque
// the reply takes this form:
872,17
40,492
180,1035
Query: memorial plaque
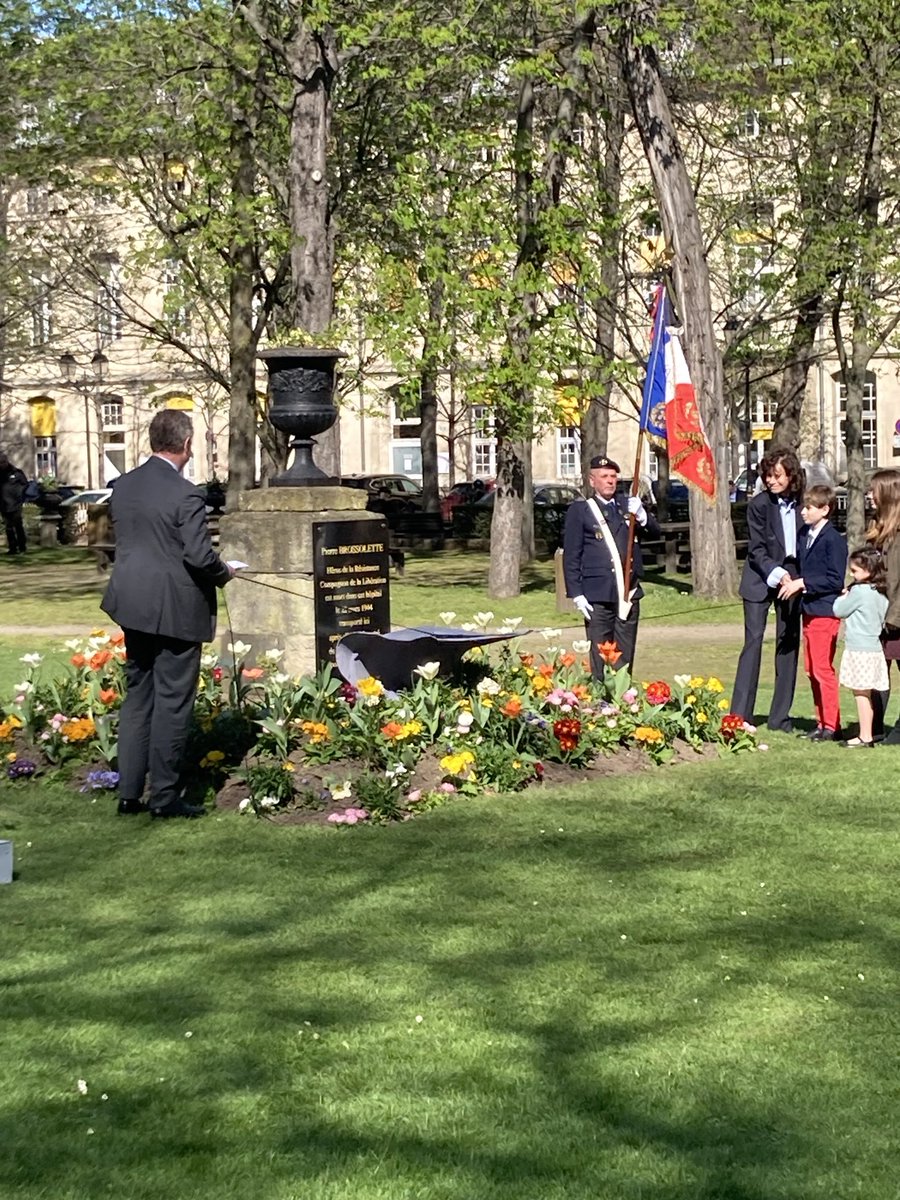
350,577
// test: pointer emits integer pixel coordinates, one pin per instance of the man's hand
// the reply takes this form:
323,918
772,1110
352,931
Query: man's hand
636,508
584,606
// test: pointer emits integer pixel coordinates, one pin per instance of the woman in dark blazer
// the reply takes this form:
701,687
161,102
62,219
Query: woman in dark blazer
773,520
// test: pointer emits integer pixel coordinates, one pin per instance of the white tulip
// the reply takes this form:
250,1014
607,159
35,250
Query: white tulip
447,617
428,670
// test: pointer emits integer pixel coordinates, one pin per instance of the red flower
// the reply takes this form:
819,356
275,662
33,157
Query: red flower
658,692
100,659
539,772
731,724
527,660
217,674
567,731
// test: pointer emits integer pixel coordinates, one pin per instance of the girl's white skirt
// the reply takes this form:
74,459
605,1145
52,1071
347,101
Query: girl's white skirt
864,670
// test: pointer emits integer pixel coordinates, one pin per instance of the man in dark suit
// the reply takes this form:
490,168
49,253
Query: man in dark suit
595,545
12,496
773,520
163,594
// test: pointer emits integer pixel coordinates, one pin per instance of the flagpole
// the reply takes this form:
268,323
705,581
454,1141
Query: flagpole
635,486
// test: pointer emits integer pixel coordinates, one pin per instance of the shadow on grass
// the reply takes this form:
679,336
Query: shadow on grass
605,1081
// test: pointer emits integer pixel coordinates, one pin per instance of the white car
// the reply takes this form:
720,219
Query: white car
95,496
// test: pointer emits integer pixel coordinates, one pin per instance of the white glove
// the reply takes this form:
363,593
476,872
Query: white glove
635,506
584,606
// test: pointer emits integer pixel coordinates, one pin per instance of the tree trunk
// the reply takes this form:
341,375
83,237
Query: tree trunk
242,336
607,99
800,357
506,522
428,401
712,536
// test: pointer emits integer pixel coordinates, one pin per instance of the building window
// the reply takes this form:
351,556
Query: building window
112,412
755,123
44,456
568,452
36,201
754,265
484,445
869,419
766,408
108,301
175,305
41,309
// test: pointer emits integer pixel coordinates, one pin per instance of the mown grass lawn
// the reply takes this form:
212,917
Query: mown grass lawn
63,586
677,985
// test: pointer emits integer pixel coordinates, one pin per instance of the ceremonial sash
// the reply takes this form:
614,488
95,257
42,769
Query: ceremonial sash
612,547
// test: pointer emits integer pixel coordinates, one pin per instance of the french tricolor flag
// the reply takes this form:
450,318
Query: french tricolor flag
670,407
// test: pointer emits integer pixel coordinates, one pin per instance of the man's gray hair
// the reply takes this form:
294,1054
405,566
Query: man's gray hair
169,430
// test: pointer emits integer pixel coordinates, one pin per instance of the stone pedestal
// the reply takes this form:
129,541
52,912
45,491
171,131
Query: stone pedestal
49,529
271,529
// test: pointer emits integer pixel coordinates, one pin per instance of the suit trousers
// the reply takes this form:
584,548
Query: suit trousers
787,652
820,635
15,532
605,625
161,675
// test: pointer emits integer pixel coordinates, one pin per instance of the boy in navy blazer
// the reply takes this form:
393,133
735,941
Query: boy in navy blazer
822,562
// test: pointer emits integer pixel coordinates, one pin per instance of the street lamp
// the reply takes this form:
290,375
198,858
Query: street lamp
86,384
732,328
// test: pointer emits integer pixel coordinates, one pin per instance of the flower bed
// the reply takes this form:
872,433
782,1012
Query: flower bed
268,743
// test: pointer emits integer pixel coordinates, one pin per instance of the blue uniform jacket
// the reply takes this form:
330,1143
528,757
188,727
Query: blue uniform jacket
823,569
587,563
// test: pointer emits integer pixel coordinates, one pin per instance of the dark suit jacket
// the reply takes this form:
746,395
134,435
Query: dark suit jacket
166,570
823,568
765,545
587,563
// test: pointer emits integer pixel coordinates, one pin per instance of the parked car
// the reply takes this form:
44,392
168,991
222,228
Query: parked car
387,492
89,496
465,492
35,492
545,494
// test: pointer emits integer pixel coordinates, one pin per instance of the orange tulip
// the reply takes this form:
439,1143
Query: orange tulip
78,660
108,695
609,652
567,659
252,673
527,660
512,707
546,669
100,659
117,639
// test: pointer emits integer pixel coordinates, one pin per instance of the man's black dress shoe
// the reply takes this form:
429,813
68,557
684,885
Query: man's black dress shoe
177,808
823,735
131,808
892,738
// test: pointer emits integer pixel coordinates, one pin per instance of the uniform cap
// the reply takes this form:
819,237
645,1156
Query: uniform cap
600,460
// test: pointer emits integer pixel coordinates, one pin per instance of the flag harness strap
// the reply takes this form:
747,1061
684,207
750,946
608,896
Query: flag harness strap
612,547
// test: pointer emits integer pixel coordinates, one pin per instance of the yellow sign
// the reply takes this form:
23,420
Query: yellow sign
185,403
762,433
43,418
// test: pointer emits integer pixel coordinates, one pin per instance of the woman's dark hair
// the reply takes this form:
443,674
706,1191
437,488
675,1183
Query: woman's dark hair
791,463
872,562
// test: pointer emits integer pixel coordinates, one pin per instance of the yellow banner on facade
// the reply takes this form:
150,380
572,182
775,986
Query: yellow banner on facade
43,418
